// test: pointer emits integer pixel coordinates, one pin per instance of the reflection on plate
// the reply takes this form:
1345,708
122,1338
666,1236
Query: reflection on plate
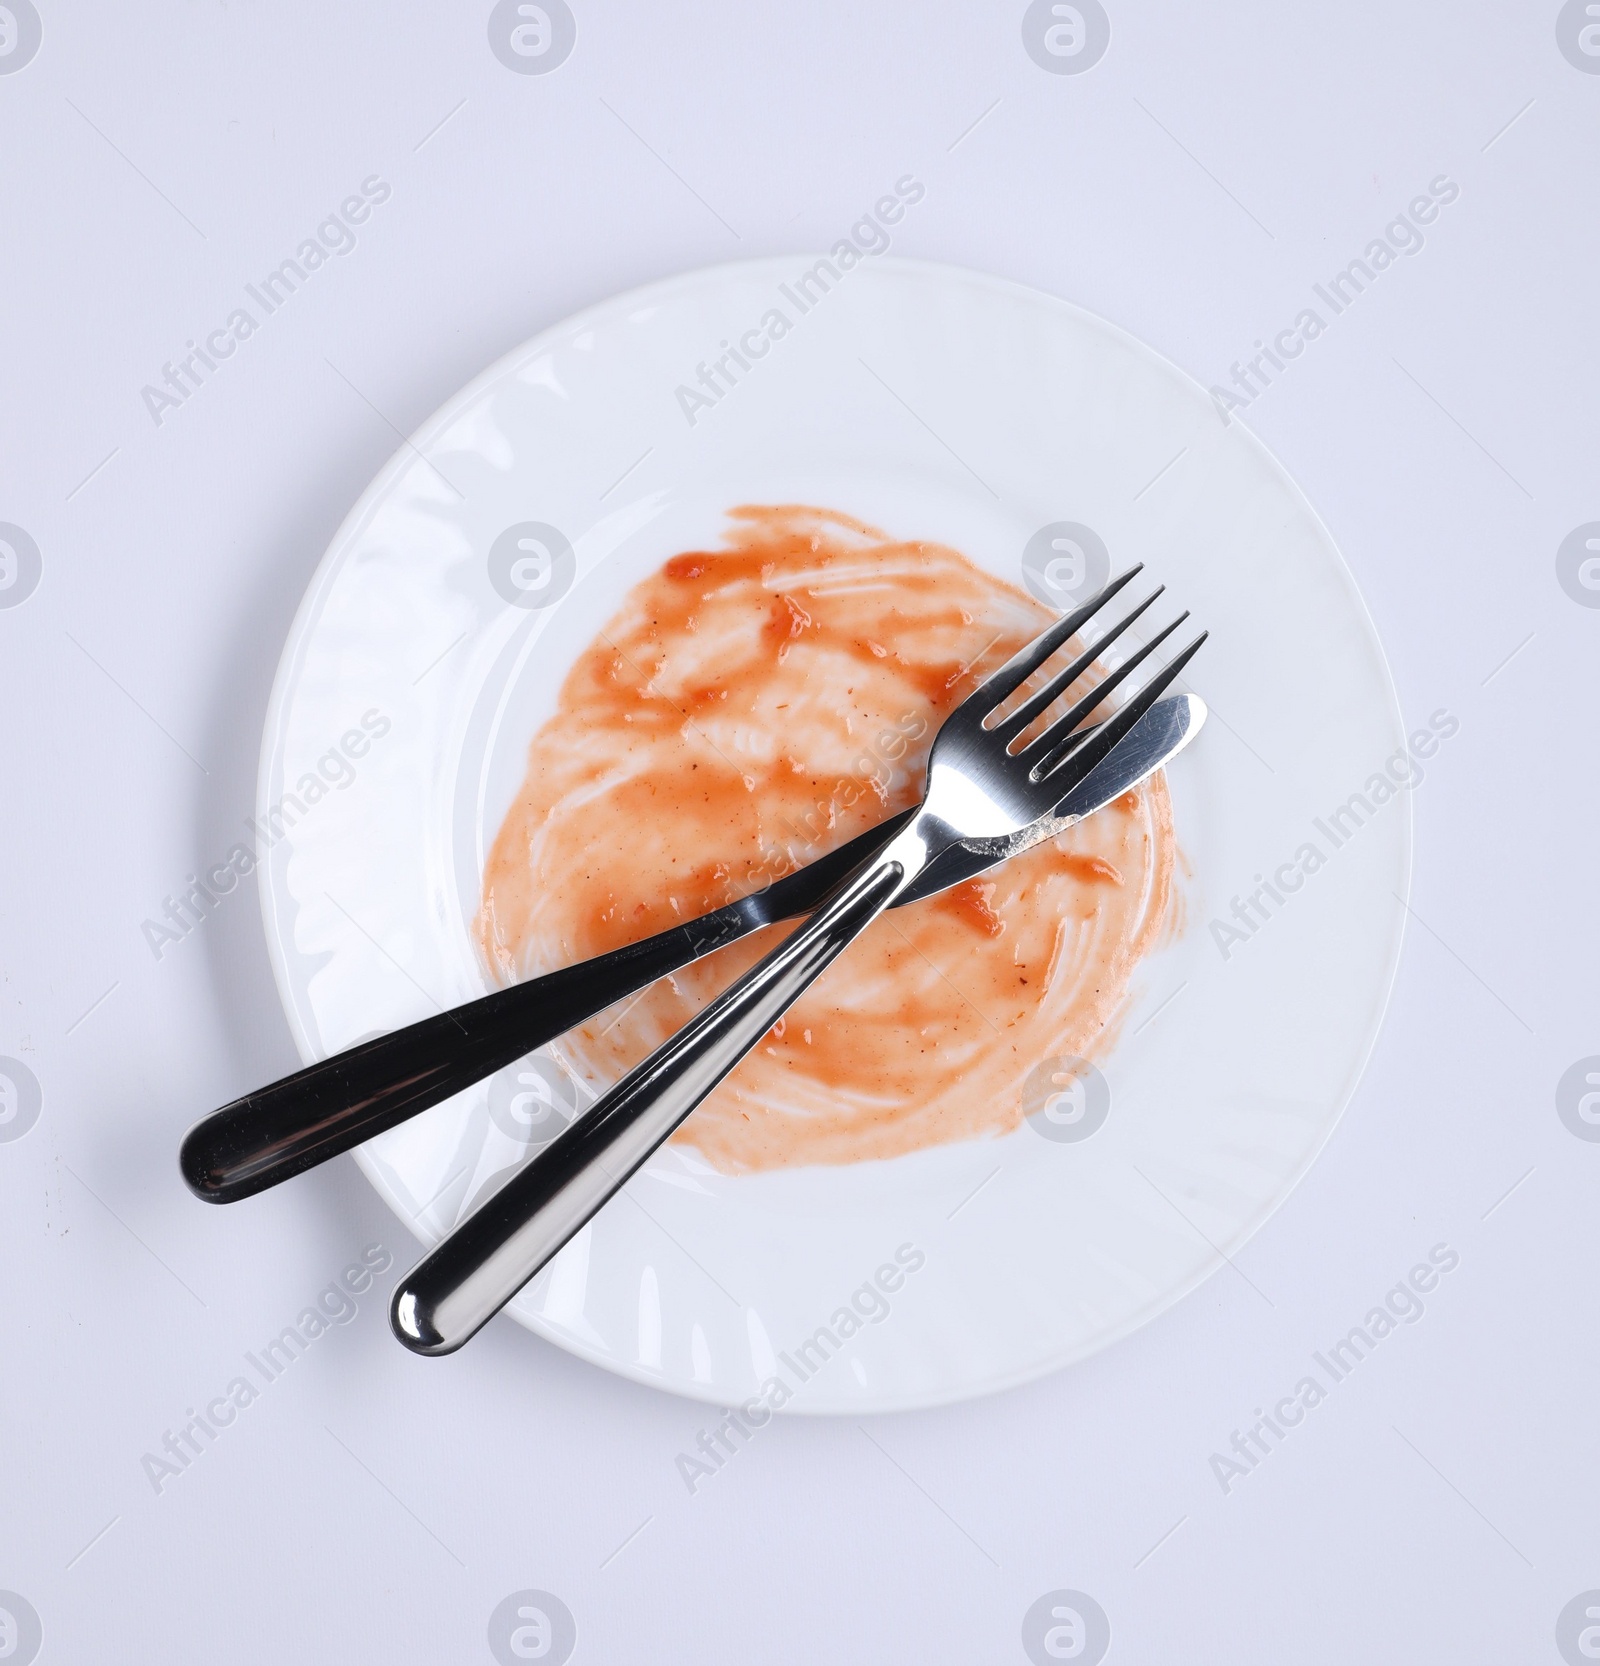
1046,446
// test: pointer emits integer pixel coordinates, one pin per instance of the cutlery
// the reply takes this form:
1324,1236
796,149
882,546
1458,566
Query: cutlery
987,780
329,1107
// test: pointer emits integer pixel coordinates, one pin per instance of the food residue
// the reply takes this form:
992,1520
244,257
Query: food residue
747,710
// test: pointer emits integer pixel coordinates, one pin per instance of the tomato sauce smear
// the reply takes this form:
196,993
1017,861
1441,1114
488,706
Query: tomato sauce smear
748,709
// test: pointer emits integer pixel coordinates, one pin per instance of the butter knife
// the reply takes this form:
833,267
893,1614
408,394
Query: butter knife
282,1130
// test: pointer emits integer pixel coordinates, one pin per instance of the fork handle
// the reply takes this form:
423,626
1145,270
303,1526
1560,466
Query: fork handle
474,1271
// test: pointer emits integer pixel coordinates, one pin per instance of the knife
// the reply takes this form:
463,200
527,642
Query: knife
281,1130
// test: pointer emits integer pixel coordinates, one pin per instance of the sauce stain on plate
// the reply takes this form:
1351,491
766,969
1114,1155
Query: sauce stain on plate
747,710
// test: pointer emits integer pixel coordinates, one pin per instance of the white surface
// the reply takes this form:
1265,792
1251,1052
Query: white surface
1191,188
702,1281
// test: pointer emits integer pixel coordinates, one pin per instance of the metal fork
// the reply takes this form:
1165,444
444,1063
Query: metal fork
982,787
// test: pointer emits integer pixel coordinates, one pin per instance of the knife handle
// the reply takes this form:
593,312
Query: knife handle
292,1125
282,1130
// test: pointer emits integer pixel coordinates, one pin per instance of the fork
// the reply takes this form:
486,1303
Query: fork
988,780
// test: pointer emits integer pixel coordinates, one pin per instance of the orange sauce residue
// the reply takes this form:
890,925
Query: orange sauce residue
745,711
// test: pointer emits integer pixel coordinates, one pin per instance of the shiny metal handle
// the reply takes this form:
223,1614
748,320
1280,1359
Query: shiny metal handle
479,1267
289,1126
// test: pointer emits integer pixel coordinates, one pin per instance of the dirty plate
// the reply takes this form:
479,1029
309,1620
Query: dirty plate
1046,445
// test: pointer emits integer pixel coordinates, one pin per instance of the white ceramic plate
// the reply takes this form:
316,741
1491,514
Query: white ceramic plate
934,403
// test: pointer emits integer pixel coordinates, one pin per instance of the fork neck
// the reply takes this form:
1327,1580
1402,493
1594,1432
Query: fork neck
911,850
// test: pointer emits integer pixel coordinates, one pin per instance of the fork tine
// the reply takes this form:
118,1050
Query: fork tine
1111,732
1012,726
1049,743
1016,670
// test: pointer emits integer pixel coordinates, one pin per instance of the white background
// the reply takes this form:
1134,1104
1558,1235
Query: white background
1189,187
